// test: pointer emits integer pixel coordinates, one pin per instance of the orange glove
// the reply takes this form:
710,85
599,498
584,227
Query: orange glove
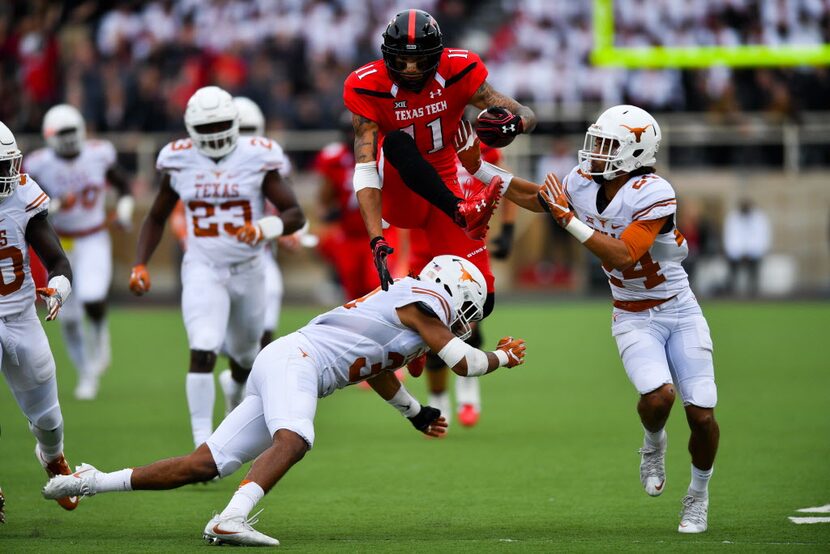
53,301
553,193
250,234
467,147
140,280
515,350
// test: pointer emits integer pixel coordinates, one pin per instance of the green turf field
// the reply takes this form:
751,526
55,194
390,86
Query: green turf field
552,465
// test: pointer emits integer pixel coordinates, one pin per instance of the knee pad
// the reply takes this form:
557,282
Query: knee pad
47,419
699,391
398,147
434,363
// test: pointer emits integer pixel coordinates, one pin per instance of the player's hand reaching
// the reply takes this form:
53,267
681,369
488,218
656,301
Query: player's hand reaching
53,301
467,147
429,421
515,350
552,196
380,252
139,280
250,234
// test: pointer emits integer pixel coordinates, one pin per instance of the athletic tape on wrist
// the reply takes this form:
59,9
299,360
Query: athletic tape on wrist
457,350
579,230
487,171
405,403
504,359
271,226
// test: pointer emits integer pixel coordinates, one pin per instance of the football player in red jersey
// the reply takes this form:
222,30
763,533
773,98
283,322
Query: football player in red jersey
406,108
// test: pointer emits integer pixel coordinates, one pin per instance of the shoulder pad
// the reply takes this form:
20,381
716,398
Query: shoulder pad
175,155
650,197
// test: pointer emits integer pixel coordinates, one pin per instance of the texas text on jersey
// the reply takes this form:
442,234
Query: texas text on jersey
220,197
431,116
658,274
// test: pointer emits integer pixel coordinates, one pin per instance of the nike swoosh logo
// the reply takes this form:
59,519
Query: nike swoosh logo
78,473
660,486
219,531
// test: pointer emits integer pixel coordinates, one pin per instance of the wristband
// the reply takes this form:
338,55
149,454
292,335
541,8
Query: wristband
405,403
271,227
502,356
579,230
366,176
487,171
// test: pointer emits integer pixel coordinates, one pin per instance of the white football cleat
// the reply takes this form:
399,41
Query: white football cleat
81,483
87,388
693,516
58,466
653,468
233,391
236,531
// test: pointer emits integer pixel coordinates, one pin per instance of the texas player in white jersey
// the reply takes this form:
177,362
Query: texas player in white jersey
25,357
223,181
366,339
75,172
624,213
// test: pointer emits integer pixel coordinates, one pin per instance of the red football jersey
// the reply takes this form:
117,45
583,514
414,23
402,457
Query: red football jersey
335,162
431,116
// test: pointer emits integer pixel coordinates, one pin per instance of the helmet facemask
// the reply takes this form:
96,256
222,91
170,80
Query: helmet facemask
465,284
397,64
600,154
10,163
216,139
66,142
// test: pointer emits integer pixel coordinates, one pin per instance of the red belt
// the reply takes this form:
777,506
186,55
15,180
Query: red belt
639,305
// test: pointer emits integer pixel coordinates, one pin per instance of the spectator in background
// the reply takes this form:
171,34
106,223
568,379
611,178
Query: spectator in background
746,240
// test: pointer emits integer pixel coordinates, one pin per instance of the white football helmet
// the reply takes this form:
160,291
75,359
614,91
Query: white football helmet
465,284
251,120
208,106
10,160
623,139
64,130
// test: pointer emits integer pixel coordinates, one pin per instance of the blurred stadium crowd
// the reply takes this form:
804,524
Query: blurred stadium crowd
132,65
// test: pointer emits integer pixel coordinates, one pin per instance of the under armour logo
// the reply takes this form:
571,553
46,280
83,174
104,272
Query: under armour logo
506,128
435,93
480,205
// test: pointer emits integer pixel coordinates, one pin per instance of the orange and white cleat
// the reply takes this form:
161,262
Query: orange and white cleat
468,415
56,467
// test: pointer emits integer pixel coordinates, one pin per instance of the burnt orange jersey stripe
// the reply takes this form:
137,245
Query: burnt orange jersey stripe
37,202
444,304
644,211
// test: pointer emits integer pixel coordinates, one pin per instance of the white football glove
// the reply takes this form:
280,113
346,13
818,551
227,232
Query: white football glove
55,294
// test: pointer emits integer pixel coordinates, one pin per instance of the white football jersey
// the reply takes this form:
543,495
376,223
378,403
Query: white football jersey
17,290
658,274
364,336
220,197
79,183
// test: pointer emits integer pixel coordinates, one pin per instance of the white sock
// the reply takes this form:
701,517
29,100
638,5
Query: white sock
243,500
100,341
467,391
699,486
115,481
201,394
73,335
50,443
655,440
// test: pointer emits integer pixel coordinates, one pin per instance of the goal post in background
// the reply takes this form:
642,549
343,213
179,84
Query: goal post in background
606,54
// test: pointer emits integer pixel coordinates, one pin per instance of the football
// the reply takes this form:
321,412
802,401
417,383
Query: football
489,125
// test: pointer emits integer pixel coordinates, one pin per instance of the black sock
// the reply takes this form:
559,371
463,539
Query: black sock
419,175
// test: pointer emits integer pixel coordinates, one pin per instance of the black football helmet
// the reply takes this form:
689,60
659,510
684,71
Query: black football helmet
412,34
